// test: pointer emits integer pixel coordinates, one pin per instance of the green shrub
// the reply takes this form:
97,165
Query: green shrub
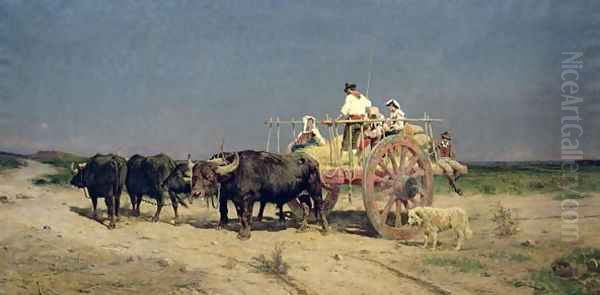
62,177
9,162
581,255
545,281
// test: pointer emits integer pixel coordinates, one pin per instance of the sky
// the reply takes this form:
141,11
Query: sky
177,77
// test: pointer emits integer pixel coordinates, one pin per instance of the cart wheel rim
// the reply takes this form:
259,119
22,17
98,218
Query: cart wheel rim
397,177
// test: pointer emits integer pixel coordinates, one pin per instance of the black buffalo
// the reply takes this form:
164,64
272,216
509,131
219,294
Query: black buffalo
103,176
157,177
304,199
253,176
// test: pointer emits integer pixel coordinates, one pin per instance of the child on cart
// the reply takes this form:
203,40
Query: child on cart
373,133
394,124
310,135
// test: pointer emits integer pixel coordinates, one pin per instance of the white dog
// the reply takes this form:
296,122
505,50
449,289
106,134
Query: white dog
434,220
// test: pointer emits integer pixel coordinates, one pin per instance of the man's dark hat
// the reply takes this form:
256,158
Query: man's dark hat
349,86
446,135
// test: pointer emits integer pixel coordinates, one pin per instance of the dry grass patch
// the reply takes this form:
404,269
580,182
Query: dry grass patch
505,220
273,265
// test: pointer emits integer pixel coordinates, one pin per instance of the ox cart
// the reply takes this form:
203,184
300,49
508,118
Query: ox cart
396,174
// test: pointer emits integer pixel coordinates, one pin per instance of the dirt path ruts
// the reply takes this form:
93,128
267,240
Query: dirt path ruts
427,284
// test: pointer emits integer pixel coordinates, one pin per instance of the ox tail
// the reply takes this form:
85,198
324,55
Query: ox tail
326,185
118,185
181,201
118,178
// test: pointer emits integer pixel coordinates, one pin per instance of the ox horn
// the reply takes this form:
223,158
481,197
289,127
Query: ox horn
189,161
218,161
228,168
73,167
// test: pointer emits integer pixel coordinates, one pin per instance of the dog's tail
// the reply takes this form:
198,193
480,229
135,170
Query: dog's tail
468,231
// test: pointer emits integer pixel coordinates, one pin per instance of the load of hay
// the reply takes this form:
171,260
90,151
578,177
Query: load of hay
322,153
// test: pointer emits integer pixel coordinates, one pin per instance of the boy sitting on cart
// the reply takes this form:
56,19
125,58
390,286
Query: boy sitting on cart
452,168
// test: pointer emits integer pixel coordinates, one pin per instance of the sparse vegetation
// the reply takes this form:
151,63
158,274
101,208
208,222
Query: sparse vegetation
540,179
461,264
58,159
507,256
570,195
273,265
63,163
10,162
582,255
545,282
62,177
583,281
506,224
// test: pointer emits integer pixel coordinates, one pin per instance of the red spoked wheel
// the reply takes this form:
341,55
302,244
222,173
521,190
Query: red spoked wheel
397,177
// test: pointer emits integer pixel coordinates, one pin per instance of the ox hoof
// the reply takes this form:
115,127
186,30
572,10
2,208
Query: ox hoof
112,226
174,222
303,228
222,224
94,216
243,237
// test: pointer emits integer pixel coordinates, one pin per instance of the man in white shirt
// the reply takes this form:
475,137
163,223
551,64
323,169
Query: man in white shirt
354,108
356,104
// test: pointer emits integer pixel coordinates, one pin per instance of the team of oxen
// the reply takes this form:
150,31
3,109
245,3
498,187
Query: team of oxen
243,177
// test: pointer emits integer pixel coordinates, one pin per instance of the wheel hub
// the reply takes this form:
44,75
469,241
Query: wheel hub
406,187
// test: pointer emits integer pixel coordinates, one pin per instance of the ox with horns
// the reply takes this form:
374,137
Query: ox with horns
253,176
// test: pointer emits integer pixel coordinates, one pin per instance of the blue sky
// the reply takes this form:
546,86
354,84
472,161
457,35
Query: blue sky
173,76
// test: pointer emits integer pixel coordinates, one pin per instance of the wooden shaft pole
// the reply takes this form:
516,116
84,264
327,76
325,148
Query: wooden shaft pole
278,136
330,139
269,135
350,147
293,129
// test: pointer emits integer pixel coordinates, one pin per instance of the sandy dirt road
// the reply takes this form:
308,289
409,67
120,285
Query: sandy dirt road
48,245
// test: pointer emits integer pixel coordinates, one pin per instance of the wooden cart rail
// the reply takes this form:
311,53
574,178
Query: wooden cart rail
275,121
335,151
